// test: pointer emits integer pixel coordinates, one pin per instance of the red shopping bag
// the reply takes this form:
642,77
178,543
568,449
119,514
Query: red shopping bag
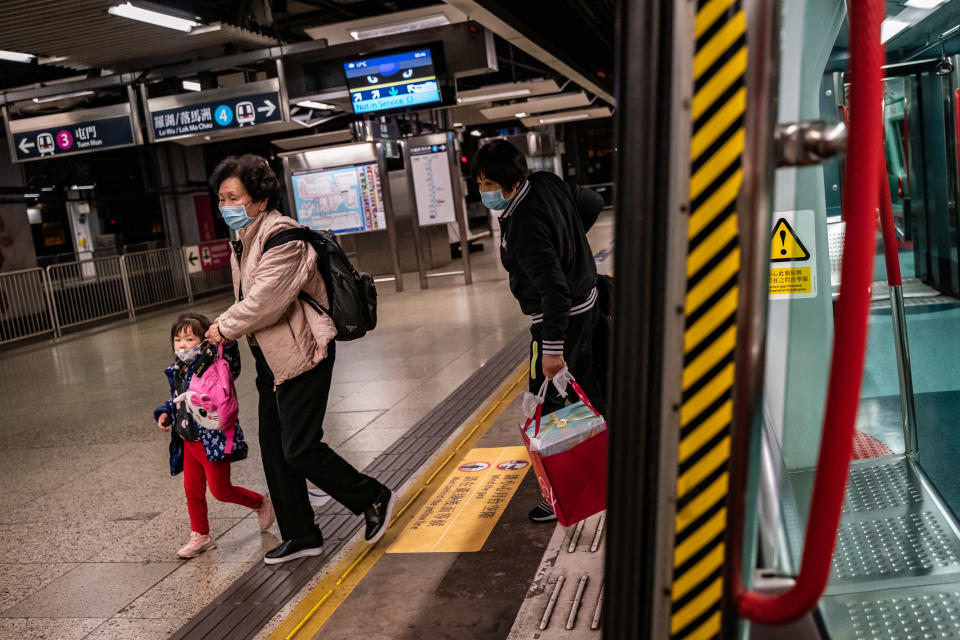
573,482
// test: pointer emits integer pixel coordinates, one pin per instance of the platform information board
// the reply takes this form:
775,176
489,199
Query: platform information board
345,199
433,184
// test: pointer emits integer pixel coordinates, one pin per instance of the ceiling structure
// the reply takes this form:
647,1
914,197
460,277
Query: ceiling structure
84,39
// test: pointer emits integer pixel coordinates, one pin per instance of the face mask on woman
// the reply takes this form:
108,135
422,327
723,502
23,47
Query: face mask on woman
235,216
494,200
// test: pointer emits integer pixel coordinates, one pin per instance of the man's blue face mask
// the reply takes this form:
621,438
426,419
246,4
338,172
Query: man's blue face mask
494,200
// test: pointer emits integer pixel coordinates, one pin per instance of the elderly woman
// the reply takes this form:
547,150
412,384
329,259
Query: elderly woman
294,351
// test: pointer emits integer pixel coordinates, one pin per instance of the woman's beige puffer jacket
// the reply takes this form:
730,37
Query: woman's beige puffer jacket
291,334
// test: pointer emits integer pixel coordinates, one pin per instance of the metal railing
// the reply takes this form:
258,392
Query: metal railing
24,305
87,290
155,277
36,302
210,281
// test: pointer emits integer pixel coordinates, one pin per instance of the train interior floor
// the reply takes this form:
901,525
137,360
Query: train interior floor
90,518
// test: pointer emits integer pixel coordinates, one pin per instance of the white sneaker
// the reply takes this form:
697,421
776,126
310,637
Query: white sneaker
265,515
196,545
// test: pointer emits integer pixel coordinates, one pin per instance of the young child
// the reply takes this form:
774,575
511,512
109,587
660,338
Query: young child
203,454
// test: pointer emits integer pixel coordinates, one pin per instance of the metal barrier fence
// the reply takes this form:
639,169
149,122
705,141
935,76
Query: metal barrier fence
155,277
37,302
24,305
87,290
210,281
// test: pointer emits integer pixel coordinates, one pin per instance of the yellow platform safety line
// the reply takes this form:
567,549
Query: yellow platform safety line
309,616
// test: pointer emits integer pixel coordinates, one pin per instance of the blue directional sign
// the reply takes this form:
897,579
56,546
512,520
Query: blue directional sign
215,115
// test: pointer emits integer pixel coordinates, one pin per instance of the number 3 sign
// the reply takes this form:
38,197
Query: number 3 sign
64,139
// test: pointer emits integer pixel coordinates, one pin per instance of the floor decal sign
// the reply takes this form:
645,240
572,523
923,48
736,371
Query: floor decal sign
463,511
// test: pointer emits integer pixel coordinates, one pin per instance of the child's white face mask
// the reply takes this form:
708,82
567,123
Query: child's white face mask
187,356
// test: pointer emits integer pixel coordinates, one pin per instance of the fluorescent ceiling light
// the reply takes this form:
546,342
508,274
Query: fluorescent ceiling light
313,104
515,93
82,187
567,118
427,22
46,188
14,56
191,85
31,195
457,124
51,59
210,28
925,4
476,133
63,96
127,10
520,115
891,27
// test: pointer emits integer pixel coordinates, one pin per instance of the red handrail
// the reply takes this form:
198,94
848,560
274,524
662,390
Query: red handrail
846,367
888,229
956,118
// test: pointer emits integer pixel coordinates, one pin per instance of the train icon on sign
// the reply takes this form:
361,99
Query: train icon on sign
45,144
246,114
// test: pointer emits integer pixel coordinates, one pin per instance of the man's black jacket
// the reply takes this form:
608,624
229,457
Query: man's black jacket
544,248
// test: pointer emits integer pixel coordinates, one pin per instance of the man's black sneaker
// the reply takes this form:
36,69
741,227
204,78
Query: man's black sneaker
310,545
543,512
378,514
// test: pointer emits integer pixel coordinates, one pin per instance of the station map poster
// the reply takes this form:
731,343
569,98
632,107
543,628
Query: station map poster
343,199
392,82
432,184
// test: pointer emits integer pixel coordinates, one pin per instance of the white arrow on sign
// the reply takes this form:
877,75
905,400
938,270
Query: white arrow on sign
268,107
25,146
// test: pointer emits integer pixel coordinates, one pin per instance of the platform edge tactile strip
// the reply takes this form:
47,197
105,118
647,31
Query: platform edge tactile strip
433,429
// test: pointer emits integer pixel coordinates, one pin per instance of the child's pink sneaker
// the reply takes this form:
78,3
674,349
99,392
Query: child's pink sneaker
265,515
198,544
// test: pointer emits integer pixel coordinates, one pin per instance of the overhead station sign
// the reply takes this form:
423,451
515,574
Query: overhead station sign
81,131
209,112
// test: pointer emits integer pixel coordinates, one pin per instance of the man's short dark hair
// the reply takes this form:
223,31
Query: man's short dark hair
195,322
256,175
501,162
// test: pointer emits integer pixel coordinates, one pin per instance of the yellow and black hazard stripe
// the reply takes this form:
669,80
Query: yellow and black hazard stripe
713,260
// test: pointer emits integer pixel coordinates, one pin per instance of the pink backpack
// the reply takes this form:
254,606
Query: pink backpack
212,398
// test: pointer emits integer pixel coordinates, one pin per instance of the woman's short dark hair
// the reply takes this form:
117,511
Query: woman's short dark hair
256,175
501,162
195,322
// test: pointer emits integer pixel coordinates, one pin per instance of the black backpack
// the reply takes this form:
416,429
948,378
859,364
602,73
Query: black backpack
352,295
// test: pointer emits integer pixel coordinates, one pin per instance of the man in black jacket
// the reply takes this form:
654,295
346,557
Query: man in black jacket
553,275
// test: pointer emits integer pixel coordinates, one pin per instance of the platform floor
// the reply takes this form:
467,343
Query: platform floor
90,518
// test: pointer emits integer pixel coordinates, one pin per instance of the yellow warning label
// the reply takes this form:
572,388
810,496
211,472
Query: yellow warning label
790,280
785,246
461,514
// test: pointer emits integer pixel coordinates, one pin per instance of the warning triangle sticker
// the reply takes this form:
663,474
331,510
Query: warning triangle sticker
785,246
